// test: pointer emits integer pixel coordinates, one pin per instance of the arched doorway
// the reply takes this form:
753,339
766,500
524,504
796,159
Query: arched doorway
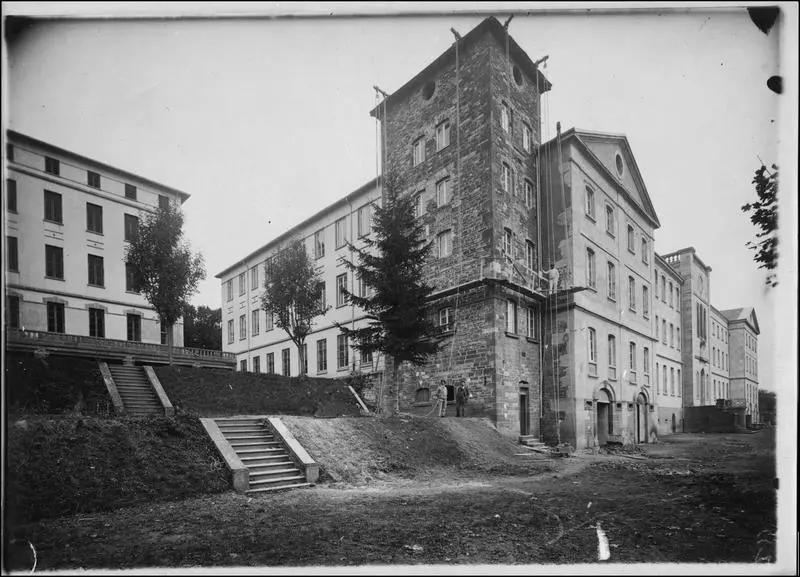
641,419
605,416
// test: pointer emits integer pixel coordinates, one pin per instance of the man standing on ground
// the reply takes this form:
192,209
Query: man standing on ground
441,398
461,399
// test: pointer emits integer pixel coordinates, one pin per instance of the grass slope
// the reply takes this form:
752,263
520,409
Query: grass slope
219,393
73,465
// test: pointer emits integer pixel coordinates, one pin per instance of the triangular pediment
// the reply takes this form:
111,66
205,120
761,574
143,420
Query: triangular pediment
614,154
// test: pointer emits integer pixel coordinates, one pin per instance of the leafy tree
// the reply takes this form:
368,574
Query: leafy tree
163,265
765,217
293,295
391,264
202,327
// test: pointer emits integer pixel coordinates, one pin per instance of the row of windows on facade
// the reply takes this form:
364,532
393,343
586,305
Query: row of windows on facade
701,320
54,265
721,389
611,285
719,331
612,358
53,212
661,333
56,319
342,358
611,226
719,358
93,179
750,342
442,135
661,381
750,365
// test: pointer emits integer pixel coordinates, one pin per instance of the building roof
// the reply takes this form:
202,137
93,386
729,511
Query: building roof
18,137
689,249
295,229
489,25
745,314
581,137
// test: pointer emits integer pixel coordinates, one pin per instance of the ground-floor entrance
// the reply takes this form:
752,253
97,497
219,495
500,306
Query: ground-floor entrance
524,411
640,426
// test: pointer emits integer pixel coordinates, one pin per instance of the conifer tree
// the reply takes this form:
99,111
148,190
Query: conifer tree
391,267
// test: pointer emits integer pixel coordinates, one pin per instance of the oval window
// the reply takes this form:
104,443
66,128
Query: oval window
620,166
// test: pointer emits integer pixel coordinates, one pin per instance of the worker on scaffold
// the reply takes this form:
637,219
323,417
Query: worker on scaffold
552,277
441,398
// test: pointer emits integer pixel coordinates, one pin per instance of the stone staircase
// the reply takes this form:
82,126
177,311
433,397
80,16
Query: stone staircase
269,464
138,396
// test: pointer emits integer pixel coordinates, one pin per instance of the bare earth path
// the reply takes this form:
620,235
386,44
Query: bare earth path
690,498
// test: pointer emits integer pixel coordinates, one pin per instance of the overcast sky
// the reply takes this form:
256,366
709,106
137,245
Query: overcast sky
266,121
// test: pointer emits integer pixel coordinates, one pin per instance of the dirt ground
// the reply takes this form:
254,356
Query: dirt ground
689,498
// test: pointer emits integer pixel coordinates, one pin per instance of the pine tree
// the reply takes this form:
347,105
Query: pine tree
765,217
391,266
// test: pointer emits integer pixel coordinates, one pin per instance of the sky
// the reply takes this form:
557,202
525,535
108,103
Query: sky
266,121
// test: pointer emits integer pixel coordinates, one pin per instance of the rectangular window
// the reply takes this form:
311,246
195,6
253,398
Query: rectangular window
286,367
631,240
657,325
131,227
663,289
364,220
444,244
592,352
678,344
530,255
254,322
508,246
12,311
342,351
54,262
269,322
96,276
528,193
52,207
341,290
526,137
55,317
671,293
506,180
271,363
591,275
230,331
242,283
94,218
645,301
97,323
163,202
11,195
612,281
446,319
631,293
12,253
134,325
130,279
130,191
632,357
319,244
229,289
611,226
505,117
612,357
443,192
93,179
443,135
672,381
664,377
256,364
511,317
671,335
531,324
321,293
679,382
645,254
254,278
418,151
419,209
10,152
590,209
305,359
322,355
361,286
242,327
664,331
646,361
341,232
243,365
52,165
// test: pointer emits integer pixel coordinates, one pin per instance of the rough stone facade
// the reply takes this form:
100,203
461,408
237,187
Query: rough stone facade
468,87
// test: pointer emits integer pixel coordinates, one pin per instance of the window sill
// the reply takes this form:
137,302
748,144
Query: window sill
325,372
532,340
611,234
102,286
98,233
59,223
54,278
633,252
590,217
612,299
512,335
342,369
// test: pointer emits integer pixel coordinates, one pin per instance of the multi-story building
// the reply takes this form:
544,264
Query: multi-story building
743,331
718,333
251,334
597,229
667,332
695,343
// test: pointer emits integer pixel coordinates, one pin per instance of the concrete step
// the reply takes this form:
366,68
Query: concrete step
259,475
263,460
271,481
256,443
135,392
234,432
264,437
278,488
259,452
280,464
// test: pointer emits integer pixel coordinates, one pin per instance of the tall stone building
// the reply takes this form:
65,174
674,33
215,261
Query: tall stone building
668,334
743,333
